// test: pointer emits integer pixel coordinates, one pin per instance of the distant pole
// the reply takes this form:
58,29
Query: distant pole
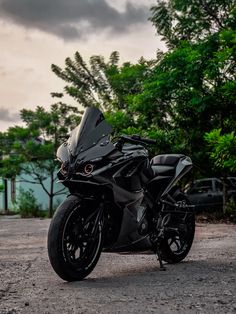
5,196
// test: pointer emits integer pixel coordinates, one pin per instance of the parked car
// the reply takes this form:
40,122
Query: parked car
207,194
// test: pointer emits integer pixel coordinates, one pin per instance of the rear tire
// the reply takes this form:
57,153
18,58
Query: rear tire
72,251
174,248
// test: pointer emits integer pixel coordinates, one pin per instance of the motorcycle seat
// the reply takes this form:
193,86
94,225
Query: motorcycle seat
165,164
166,160
163,170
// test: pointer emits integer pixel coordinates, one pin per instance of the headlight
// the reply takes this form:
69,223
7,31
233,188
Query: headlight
85,170
88,169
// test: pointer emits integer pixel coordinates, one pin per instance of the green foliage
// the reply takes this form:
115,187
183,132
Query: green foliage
223,150
177,98
51,125
231,211
119,120
223,155
27,204
191,90
103,84
228,216
31,150
191,20
1,188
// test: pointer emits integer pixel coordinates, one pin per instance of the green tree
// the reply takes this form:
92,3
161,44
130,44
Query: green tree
191,20
191,92
106,85
177,98
223,150
192,88
31,150
27,204
223,153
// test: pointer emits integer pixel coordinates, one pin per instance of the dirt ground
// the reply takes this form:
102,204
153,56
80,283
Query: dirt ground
204,283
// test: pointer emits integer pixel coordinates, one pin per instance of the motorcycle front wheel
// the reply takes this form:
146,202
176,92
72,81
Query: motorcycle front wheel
74,239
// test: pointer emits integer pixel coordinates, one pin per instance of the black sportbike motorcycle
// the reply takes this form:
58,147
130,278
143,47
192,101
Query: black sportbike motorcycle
119,200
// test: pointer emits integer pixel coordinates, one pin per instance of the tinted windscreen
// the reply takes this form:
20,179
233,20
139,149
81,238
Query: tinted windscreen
90,131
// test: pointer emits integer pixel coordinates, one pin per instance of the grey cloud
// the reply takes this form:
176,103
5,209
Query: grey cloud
72,19
6,115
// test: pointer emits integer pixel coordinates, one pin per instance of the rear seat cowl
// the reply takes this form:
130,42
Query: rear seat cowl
166,159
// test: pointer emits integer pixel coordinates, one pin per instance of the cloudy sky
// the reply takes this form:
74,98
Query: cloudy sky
36,33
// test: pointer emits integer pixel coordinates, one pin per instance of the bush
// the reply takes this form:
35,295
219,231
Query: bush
27,204
1,188
231,211
218,216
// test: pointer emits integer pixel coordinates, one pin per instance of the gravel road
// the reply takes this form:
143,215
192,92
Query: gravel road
204,283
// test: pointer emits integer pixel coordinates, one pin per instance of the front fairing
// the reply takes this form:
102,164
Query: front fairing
63,154
88,141
92,129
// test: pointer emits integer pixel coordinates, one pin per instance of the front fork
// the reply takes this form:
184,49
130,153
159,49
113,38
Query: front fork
98,223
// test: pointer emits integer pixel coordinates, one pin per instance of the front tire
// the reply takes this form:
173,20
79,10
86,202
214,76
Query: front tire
74,239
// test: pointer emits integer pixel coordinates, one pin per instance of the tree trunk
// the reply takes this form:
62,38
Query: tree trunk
225,194
50,207
51,195
6,209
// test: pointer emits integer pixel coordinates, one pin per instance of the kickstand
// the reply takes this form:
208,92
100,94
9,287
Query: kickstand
158,254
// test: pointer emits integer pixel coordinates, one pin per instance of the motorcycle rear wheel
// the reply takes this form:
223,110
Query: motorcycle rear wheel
73,246
176,246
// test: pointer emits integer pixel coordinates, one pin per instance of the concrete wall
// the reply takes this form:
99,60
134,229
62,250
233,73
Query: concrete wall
38,191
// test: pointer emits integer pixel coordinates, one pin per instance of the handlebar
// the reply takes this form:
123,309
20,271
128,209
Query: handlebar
135,139
143,139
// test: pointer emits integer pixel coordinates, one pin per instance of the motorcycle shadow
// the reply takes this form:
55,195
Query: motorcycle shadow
106,275
121,270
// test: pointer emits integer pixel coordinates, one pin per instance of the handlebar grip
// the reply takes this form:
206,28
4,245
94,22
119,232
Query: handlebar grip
149,141
143,139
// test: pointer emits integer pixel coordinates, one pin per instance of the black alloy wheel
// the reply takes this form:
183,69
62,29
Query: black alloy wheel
179,236
75,240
